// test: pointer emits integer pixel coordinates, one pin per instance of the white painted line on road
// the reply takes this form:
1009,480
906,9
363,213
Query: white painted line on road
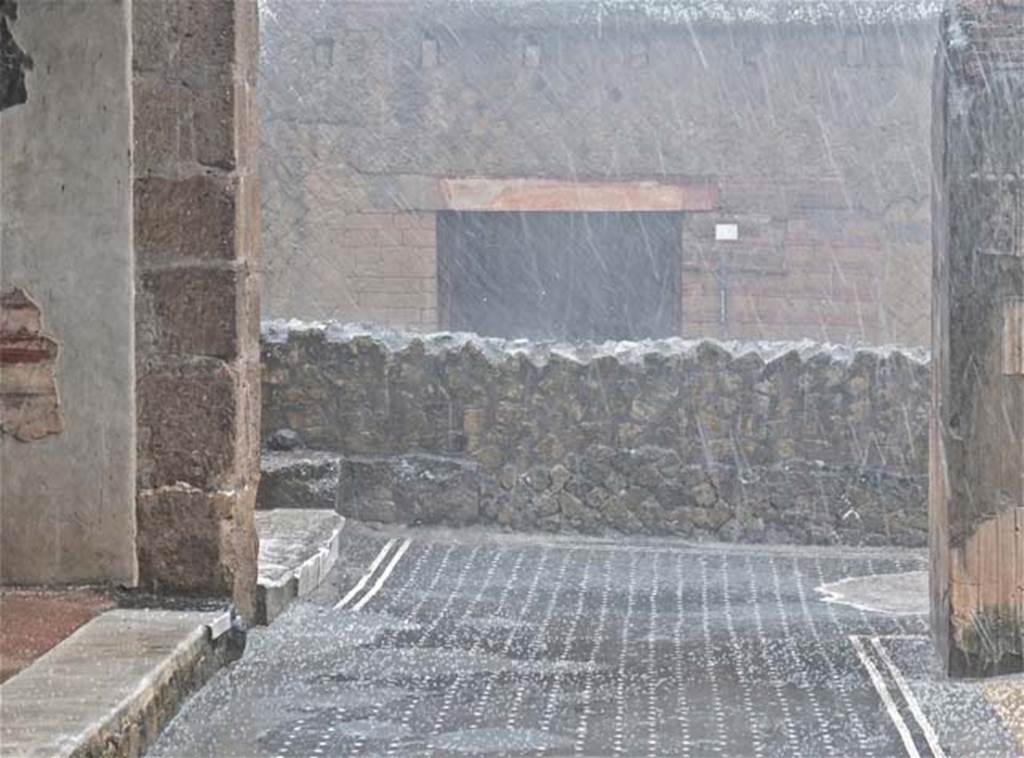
908,695
366,577
883,692
384,576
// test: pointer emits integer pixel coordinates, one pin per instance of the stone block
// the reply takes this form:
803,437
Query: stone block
179,542
186,219
163,126
206,31
152,45
176,35
198,543
197,311
250,414
189,423
409,489
219,110
300,479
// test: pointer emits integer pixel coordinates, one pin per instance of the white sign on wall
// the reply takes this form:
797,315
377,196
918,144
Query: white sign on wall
727,232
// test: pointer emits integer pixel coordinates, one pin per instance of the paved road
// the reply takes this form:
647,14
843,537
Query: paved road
467,643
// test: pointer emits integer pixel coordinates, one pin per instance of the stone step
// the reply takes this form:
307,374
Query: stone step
298,548
298,479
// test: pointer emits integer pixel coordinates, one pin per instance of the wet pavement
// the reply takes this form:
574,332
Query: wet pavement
471,643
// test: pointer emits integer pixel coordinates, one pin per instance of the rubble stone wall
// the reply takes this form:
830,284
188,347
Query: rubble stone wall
770,442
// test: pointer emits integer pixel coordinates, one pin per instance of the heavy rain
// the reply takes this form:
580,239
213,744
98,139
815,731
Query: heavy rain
512,377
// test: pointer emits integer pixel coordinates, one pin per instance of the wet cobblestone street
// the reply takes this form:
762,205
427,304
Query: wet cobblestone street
464,643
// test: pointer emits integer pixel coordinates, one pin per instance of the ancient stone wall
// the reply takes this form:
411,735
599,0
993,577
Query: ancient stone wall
196,207
761,442
805,124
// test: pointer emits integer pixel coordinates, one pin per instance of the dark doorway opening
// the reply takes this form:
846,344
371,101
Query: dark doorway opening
566,276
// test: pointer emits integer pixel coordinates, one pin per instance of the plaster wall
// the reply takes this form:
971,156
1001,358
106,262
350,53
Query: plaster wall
67,500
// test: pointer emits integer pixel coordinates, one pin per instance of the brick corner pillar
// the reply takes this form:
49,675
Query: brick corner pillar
196,206
977,450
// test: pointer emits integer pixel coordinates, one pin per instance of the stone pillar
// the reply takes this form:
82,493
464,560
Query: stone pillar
197,310
977,488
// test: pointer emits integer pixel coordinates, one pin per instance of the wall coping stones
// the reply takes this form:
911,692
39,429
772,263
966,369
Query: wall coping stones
281,331
668,13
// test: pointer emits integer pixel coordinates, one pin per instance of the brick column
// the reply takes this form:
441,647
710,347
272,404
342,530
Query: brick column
977,493
197,310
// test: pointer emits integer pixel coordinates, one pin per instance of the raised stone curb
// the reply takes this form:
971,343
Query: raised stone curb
111,687
298,548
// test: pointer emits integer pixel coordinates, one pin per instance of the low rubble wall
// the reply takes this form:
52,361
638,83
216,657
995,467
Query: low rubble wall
772,442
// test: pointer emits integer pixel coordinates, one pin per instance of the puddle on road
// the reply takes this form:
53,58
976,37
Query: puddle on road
904,594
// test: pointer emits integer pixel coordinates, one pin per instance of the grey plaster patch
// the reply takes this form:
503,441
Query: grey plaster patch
898,594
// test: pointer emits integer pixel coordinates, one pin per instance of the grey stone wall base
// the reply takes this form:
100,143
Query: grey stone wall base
298,479
607,491
645,491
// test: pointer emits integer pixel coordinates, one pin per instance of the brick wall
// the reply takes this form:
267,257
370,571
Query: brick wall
197,296
830,275
811,136
380,267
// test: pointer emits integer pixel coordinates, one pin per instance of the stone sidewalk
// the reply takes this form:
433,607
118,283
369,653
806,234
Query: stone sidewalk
111,686
466,643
